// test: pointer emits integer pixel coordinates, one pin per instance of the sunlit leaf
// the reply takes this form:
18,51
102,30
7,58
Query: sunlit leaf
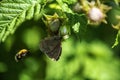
13,13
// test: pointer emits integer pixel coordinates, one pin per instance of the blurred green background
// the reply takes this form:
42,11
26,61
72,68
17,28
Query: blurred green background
86,56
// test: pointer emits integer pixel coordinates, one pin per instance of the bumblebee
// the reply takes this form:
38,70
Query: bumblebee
21,54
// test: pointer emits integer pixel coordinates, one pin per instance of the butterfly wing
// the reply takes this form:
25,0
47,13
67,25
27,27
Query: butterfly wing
51,46
56,52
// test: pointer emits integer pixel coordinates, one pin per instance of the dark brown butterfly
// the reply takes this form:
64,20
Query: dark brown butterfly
51,46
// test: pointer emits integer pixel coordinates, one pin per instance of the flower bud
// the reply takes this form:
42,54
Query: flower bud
64,32
95,14
54,25
52,22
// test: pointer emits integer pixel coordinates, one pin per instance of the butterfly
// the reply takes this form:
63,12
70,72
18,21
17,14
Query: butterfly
51,46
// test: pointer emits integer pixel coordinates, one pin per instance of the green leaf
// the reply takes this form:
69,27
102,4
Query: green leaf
69,1
15,12
116,40
78,22
64,6
76,27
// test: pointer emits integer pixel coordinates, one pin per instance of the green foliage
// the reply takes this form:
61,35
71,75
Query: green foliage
64,6
13,13
114,20
3,67
116,40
